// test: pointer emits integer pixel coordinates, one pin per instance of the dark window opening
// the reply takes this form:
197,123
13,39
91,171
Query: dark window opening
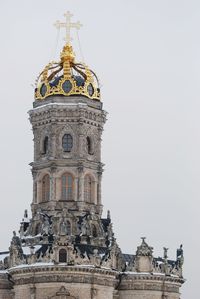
94,231
45,145
90,149
62,256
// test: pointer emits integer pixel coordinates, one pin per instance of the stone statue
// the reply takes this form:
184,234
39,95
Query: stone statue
180,258
165,252
15,239
85,228
63,228
179,252
110,231
96,259
25,214
21,230
45,227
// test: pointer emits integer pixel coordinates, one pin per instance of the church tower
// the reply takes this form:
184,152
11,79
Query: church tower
66,250
67,121
66,227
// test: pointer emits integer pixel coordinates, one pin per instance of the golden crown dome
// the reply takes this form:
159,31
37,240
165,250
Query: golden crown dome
67,78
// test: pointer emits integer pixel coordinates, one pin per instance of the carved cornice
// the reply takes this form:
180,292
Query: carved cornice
64,114
42,274
136,281
150,287
40,165
159,277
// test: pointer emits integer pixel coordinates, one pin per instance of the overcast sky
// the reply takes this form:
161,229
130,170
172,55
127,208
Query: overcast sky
147,56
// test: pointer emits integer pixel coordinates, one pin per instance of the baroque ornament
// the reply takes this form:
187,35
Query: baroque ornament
67,77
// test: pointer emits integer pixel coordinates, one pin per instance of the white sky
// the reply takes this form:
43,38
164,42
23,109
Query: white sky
147,56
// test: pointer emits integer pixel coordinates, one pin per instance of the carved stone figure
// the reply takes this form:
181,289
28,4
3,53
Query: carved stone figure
165,252
85,228
45,227
63,228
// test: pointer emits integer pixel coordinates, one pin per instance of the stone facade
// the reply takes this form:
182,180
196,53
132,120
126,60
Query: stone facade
66,249
75,282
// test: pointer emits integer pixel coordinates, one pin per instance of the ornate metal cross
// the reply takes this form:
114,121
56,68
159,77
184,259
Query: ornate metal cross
68,25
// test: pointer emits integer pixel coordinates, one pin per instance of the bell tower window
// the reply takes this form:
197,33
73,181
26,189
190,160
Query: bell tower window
67,186
67,143
46,188
45,145
88,188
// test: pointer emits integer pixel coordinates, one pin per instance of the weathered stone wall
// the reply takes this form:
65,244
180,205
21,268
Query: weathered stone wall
146,294
5,286
5,294
49,290
149,286
82,119
77,283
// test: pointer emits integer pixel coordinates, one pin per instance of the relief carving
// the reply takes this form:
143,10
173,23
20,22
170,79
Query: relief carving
62,294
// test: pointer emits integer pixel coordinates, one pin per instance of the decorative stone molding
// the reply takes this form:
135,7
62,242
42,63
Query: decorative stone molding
136,281
65,275
62,294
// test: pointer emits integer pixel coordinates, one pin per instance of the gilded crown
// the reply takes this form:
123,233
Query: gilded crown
67,78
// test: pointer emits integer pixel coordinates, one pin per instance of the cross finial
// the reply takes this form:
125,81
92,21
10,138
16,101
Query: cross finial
68,25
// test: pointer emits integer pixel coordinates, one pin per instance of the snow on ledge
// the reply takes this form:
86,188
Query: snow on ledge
52,105
149,273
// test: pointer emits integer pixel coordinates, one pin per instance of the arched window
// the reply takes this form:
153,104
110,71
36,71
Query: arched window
90,148
46,188
67,143
62,256
67,186
88,188
45,145
94,231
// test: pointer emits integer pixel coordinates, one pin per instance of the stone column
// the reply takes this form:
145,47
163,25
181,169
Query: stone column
53,184
53,146
99,187
76,187
95,190
80,184
34,175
